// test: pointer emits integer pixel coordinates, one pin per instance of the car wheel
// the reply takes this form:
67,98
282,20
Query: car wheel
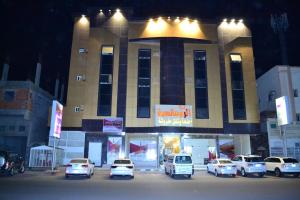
296,175
189,176
233,175
66,176
166,171
261,175
111,176
216,173
277,172
207,170
171,174
89,175
132,177
243,172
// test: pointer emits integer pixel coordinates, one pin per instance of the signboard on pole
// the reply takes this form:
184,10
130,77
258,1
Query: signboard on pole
173,115
56,119
283,109
113,125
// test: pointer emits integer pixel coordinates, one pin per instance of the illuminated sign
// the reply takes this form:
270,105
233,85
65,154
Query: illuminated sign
113,125
56,119
173,115
283,111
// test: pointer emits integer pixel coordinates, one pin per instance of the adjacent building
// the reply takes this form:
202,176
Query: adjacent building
281,80
147,88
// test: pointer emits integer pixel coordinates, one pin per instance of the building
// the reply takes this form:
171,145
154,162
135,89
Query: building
146,88
285,82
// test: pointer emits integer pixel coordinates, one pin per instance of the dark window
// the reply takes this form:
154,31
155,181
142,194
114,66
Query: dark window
144,83
201,92
296,93
183,159
254,159
290,160
2,128
105,81
225,162
9,96
122,162
11,128
237,83
21,128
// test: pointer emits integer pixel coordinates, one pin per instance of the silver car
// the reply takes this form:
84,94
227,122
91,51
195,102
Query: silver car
222,166
80,166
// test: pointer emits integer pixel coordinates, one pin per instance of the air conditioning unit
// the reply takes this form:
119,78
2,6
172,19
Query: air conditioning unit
83,50
83,78
81,107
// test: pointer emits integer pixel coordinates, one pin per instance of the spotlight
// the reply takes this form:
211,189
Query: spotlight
241,21
159,18
232,20
169,18
225,20
117,10
177,20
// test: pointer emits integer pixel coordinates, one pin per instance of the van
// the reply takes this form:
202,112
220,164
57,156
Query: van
179,164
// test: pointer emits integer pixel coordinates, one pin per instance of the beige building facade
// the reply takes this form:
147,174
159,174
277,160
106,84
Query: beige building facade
146,88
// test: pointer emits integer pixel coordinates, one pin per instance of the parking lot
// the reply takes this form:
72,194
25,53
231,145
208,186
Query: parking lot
146,185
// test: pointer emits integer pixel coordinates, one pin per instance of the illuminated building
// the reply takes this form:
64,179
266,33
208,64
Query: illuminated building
177,83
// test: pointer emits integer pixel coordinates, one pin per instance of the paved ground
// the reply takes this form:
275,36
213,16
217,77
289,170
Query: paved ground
146,186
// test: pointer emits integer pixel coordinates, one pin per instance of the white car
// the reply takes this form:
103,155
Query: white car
283,165
80,166
250,164
122,167
222,167
179,164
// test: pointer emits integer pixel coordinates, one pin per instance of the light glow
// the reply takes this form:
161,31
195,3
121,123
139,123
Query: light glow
83,20
118,16
177,20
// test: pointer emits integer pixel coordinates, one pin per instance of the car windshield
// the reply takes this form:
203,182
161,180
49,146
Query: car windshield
290,160
79,161
254,159
122,162
225,161
183,159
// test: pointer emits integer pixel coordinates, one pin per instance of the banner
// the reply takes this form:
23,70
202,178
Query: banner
56,119
113,125
173,115
114,145
284,114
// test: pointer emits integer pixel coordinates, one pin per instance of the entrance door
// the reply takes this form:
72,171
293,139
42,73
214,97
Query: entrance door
95,152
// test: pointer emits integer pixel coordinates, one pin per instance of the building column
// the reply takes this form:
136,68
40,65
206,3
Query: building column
242,144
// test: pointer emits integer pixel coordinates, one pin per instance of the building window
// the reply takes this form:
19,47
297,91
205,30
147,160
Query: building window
9,95
76,109
201,92
78,78
144,83
298,116
105,81
22,128
296,93
237,85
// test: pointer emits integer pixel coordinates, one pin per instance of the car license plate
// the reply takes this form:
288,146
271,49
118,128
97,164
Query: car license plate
257,165
293,165
228,167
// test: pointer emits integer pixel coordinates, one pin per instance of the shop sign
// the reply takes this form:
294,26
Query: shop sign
113,125
173,115
284,115
56,119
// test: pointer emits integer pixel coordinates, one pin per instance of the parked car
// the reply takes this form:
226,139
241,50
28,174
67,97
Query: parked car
179,164
122,167
11,163
283,165
80,167
250,164
222,166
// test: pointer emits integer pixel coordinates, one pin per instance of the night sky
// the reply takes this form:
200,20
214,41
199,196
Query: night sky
40,26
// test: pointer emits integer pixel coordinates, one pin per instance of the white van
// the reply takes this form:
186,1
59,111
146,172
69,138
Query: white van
179,164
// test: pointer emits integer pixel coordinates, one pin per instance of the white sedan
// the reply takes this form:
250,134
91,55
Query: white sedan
80,166
221,167
122,167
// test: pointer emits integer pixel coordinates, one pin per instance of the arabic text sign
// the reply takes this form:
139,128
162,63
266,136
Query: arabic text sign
114,125
173,115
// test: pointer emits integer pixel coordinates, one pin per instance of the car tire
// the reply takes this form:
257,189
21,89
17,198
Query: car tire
261,175
243,172
166,171
216,173
189,176
111,176
233,175
89,175
296,175
207,170
66,176
277,172
171,174
132,177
